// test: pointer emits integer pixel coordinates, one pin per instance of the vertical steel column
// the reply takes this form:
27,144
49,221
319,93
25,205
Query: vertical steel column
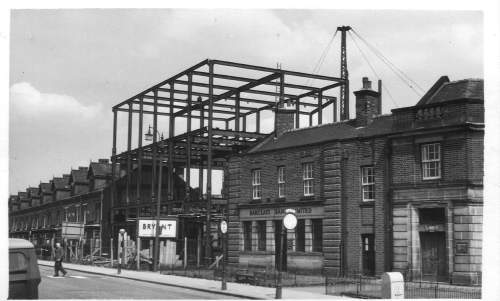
310,119
257,122
208,243
129,149
237,114
320,107
297,113
188,150
244,127
153,176
139,151
171,131
113,168
335,110
278,102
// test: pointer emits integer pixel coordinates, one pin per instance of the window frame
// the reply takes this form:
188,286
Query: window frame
281,182
308,179
261,235
300,235
256,185
368,186
317,234
247,236
427,162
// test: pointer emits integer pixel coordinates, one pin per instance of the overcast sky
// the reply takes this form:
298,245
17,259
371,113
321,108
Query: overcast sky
68,67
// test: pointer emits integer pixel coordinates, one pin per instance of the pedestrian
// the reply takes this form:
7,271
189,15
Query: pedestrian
59,256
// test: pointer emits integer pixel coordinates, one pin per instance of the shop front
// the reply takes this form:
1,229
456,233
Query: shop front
261,231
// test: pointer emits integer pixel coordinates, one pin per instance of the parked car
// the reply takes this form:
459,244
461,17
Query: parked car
24,275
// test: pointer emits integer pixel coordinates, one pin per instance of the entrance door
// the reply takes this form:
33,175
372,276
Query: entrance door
433,250
368,254
277,244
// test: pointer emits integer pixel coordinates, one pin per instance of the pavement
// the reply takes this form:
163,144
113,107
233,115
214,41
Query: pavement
237,290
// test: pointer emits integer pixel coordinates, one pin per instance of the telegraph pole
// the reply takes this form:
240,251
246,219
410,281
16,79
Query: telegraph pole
344,74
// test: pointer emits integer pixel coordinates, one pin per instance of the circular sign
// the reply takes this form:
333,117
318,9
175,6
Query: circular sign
290,221
223,227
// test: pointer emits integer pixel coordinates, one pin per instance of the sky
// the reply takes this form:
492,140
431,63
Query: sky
69,67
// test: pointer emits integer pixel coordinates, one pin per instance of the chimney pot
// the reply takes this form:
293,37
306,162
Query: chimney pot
367,85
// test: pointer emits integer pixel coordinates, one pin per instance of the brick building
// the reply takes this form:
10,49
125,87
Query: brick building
372,194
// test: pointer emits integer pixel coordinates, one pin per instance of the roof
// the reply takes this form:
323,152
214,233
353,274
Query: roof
46,187
18,243
444,91
61,183
100,169
23,196
80,175
33,191
328,132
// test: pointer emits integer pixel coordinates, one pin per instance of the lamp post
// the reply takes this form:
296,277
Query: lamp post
149,137
223,230
121,249
289,223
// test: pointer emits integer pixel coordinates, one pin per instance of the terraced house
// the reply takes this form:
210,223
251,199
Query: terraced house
398,192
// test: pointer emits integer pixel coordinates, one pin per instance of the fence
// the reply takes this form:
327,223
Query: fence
435,290
371,287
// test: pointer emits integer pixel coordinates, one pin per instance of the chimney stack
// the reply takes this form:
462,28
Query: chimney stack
368,103
285,120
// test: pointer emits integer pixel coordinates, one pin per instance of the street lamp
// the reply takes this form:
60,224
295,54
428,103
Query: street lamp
149,137
223,230
289,223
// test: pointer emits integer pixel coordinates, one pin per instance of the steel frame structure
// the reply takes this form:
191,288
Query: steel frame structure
231,95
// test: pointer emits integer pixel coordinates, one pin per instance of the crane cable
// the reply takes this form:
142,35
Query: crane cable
405,78
322,58
373,69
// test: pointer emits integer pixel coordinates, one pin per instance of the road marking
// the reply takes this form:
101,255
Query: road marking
72,276
79,277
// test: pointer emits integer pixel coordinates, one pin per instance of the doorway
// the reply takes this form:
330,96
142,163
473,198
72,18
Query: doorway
368,254
434,261
278,226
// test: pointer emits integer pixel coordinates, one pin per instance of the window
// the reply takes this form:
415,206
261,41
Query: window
307,176
247,236
18,262
431,161
300,236
317,235
281,181
261,235
368,183
256,188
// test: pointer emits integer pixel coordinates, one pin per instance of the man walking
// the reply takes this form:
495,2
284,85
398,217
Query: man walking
59,256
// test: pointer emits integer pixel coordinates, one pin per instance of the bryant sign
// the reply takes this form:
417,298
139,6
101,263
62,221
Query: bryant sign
147,228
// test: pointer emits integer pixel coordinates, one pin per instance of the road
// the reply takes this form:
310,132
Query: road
79,285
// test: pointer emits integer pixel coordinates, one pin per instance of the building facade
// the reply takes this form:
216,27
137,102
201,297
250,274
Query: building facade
372,194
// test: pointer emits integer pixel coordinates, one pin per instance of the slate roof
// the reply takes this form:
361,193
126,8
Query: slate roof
323,133
101,168
23,196
46,188
61,183
33,192
446,91
80,175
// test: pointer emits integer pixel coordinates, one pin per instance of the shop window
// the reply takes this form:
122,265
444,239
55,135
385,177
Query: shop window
431,161
317,235
307,176
256,186
281,181
247,236
368,183
300,236
261,235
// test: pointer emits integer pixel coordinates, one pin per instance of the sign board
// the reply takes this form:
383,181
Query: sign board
72,230
147,228
260,213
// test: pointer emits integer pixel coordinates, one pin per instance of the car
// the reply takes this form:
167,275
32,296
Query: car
24,275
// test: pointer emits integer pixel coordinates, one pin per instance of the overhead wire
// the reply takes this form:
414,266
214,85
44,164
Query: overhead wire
402,76
322,58
373,69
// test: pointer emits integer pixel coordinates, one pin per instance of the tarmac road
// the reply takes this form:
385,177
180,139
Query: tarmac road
80,285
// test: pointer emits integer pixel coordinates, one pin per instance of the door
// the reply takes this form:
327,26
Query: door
278,226
368,254
434,261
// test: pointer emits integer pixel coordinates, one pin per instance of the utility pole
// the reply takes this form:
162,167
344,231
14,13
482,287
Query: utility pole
344,74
